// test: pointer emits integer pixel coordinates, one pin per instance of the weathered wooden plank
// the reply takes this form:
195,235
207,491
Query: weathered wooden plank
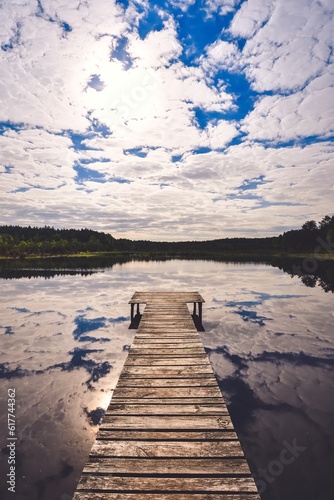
181,351
166,314
166,361
219,466
162,409
166,343
163,392
167,330
164,331
167,337
188,435
156,335
154,484
162,323
165,309
159,322
168,371
81,495
196,400
202,422
182,316
198,359
204,381
165,297
191,449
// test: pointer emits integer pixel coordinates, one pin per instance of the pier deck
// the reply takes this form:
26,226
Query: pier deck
167,433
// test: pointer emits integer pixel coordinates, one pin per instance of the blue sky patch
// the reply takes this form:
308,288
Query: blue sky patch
119,319
136,151
88,174
21,309
22,190
253,317
65,26
203,117
5,126
123,3
197,30
244,97
201,151
151,22
96,83
253,183
84,325
8,169
176,158
121,54
265,204
120,180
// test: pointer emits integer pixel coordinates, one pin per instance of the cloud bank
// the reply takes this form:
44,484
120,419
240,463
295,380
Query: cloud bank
156,121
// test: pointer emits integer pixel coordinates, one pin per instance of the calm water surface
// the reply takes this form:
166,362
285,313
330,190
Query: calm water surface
269,338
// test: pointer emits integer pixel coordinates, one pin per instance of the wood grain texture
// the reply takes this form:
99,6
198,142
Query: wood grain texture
172,351
152,466
174,449
165,435
163,496
207,380
163,422
156,484
172,401
166,371
167,392
162,409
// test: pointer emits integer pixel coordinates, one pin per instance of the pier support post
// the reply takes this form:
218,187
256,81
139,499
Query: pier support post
200,311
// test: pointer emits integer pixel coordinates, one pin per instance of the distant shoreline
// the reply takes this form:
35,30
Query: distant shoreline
164,256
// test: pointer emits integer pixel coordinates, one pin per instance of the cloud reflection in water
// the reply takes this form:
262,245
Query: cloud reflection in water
71,336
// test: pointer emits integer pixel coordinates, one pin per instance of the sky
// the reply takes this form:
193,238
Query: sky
181,120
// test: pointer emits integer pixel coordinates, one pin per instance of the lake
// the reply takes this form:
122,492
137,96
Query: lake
268,333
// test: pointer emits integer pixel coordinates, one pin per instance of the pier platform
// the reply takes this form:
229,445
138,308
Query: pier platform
167,433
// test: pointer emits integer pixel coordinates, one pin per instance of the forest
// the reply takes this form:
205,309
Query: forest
23,242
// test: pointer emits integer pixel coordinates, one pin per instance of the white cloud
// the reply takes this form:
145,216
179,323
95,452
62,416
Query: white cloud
198,197
289,53
302,114
44,83
221,134
221,55
44,74
250,17
288,42
158,48
220,6
183,4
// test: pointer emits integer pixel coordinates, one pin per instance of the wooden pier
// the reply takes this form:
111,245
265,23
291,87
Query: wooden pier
167,433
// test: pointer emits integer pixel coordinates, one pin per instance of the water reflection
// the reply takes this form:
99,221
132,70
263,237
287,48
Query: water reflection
311,272
269,338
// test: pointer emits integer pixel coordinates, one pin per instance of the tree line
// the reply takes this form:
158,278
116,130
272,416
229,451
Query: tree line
20,242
